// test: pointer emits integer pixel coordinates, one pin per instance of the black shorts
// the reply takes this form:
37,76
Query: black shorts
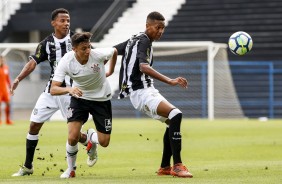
101,112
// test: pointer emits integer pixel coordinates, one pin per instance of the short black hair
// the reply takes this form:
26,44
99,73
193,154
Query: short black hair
155,16
78,38
57,11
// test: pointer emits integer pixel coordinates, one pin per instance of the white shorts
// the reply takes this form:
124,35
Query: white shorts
47,105
147,100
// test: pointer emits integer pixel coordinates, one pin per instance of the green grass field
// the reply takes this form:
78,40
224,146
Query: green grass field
223,151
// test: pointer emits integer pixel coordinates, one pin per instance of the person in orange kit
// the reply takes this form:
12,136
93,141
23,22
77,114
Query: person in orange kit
4,89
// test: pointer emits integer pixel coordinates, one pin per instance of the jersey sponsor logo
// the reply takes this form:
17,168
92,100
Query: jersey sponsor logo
38,54
108,125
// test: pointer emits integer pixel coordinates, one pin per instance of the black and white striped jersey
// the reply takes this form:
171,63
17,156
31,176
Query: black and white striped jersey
138,49
53,49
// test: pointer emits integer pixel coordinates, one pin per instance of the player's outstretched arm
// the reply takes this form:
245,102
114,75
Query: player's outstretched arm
148,70
27,69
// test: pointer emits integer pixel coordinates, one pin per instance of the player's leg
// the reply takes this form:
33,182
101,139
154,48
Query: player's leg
77,116
0,111
147,101
156,106
167,153
45,107
174,115
72,148
8,113
63,102
102,116
6,99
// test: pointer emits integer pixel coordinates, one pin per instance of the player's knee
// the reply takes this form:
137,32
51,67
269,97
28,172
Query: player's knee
104,142
34,128
73,140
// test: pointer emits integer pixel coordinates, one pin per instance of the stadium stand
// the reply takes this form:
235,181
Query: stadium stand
36,15
216,20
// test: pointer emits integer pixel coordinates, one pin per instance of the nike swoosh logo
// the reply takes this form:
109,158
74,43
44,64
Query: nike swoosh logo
75,73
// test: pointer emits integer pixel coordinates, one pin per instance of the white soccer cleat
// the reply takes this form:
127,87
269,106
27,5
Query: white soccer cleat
91,149
68,174
23,171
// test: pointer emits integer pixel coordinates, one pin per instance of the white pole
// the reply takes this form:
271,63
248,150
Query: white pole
210,82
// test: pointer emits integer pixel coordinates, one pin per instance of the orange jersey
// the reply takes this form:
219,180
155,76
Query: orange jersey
4,83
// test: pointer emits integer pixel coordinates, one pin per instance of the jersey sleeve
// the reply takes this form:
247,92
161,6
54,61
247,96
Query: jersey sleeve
61,70
144,50
104,54
40,53
121,47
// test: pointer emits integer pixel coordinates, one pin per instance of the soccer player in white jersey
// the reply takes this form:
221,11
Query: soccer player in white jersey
91,93
136,81
51,49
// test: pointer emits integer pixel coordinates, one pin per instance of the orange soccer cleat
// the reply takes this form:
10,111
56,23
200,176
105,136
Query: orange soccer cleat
179,170
164,171
9,122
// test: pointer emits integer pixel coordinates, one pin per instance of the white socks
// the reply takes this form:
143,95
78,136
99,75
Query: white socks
173,113
71,155
94,138
32,137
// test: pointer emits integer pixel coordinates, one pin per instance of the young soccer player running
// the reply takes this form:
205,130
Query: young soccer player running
91,93
51,49
136,81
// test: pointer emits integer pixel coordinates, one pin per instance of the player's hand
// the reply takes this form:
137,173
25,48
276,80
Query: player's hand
75,92
14,86
179,81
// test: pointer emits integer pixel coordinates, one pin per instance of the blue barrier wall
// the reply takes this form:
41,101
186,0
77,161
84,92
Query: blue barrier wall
257,85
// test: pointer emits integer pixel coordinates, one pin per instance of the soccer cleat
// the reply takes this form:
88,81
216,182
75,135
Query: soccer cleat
164,171
179,170
91,149
9,122
23,171
68,174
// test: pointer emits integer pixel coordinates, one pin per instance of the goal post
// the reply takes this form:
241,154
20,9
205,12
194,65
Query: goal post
222,100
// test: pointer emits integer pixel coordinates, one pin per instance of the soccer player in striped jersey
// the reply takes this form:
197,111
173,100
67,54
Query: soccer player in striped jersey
91,93
136,81
51,49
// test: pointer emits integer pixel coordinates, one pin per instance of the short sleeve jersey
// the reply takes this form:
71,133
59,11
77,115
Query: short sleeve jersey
138,49
89,78
53,49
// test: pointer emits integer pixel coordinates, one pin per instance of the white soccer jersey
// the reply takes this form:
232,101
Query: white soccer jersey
89,78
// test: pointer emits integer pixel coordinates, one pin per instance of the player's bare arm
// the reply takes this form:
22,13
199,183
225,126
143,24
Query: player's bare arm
28,68
56,89
112,63
148,70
